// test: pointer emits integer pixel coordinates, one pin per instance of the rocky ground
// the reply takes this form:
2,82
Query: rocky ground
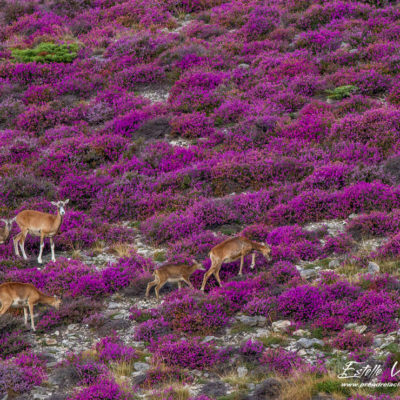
77,338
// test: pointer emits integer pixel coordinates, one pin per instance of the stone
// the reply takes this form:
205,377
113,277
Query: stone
51,342
281,325
209,339
267,390
360,328
301,332
307,343
112,305
261,321
244,319
373,268
260,332
242,371
141,366
309,273
214,389
334,263
137,380
244,66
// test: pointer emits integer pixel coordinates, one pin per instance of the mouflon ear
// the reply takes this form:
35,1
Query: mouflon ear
54,203
66,201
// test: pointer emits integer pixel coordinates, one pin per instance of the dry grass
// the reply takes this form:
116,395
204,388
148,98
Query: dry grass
178,391
240,383
98,247
122,249
122,369
76,254
350,270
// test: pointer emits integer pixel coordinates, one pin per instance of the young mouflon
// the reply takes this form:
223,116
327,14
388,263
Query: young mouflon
173,272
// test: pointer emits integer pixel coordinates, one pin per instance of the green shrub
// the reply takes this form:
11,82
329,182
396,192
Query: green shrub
341,92
159,256
47,53
331,386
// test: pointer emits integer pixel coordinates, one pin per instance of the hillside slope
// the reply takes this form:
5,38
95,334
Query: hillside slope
171,126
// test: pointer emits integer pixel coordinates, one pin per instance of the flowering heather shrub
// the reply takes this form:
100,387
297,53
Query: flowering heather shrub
340,244
104,389
375,309
187,353
317,205
151,329
351,340
378,127
192,125
79,370
323,40
161,375
71,311
195,316
281,361
125,272
113,349
272,143
301,303
18,380
261,306
193,246
390,249
373,224
251,350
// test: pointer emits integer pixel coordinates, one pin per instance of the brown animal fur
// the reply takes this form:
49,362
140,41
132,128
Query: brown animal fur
18,294
5,232
231,250
172,273
41,224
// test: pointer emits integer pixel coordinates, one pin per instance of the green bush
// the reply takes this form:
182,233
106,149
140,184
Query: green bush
47,53
331,386
341,92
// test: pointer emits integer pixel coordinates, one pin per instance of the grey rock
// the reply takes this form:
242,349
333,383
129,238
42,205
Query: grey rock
214,389
141,366
309,273
262,321
137,380
112,305
307,343
302,353
334,263
280,326
244,319
373,268
244,66
208,339
266,390
242,371
301,332
360,328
